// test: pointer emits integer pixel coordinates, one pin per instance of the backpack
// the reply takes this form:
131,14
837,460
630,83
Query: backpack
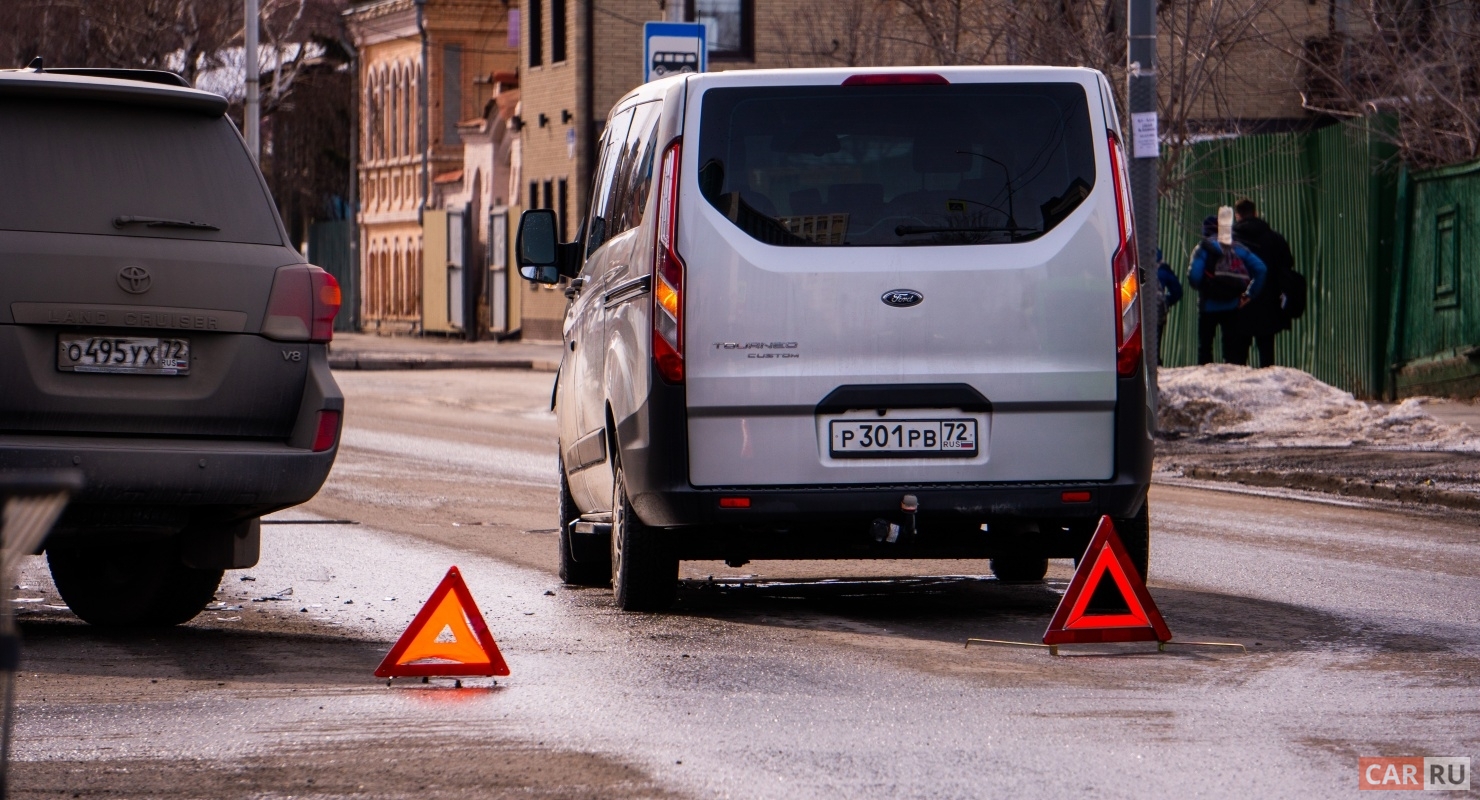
1224,275
1292,300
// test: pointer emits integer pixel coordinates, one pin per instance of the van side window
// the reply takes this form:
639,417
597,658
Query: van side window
598,227
636,174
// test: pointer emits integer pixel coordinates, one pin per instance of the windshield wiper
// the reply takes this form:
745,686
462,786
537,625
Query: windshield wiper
161,222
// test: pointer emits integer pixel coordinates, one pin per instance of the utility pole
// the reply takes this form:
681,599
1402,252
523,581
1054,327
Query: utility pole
252,113
1145,163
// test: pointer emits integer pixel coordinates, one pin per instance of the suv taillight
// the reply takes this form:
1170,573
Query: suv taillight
302,305
668,275
1124,266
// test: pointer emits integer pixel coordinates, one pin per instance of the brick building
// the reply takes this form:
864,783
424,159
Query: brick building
424,67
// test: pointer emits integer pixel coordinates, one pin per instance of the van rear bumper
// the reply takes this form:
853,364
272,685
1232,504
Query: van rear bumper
828,505
653,455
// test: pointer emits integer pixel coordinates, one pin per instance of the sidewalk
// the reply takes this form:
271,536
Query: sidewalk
369,351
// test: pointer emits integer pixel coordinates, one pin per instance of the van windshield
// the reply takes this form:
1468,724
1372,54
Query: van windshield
121,170
896,165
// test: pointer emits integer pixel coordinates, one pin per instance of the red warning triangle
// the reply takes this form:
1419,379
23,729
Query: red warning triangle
448,637
1073,624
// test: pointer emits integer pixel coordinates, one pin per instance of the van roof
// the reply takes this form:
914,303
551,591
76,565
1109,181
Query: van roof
836,75
137,87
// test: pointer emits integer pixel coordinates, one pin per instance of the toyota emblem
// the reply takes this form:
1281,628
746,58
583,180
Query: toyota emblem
134,280
902,298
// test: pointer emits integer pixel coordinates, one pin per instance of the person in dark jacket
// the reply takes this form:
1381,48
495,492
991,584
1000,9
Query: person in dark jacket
1263,317
1171,294
1214,312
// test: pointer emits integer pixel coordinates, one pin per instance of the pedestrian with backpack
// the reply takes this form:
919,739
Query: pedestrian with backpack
1269,312
1227,276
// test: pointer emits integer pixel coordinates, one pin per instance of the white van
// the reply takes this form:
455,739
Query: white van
834,313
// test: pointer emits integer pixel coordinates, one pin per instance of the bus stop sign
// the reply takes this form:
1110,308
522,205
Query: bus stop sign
673,47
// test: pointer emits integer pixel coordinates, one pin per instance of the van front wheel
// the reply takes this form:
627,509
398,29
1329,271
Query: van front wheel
644,568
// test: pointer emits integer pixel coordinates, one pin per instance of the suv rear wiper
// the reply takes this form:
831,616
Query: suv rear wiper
160,222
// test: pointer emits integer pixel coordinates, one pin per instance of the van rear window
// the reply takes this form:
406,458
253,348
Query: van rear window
896,165
72,167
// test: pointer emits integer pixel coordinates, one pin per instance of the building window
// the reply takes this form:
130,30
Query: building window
451,92
536,33
557,31
729,25
563,199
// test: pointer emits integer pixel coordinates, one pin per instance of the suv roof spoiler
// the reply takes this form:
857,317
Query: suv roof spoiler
137,86
147,75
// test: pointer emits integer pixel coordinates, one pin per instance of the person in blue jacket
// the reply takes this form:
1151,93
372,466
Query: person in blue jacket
1213,312
1171,294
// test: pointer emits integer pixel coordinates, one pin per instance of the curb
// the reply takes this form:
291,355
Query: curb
384,362
1338,486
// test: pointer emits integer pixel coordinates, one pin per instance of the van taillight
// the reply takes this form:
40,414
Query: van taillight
1124,265
668,275
302,305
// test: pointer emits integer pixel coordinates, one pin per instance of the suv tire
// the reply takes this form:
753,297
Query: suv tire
1019,569
139,586
590,566
644,568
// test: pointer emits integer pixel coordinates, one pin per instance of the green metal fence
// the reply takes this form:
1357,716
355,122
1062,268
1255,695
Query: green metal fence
1435,344
1331,193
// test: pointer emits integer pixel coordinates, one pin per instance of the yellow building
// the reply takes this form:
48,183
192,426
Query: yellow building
424,66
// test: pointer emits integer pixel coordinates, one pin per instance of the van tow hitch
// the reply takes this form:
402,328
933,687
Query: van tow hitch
909,505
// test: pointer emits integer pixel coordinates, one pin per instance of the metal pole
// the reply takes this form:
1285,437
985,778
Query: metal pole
1145,166
252,114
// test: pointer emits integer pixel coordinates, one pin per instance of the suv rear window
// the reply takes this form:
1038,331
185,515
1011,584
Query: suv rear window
896,165
76,167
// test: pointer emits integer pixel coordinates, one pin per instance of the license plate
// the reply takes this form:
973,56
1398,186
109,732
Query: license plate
921,438
127,355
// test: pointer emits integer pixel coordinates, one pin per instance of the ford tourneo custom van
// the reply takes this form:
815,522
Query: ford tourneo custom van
849,314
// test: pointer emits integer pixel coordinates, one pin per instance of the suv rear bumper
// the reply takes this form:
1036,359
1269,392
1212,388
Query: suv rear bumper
250,477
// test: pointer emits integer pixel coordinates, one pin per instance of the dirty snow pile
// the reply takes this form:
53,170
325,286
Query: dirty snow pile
1285,407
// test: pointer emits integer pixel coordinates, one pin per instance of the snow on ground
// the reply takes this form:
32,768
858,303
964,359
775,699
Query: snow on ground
1285,407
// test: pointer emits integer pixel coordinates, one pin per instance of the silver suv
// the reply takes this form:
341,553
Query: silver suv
157,333
833,314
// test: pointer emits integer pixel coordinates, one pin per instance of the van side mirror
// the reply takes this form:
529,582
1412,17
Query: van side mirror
537,248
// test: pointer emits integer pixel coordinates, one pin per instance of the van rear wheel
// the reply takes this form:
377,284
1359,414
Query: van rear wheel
141,585
1135,534
644,568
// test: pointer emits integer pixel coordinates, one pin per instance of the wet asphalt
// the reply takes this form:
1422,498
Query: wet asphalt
839,679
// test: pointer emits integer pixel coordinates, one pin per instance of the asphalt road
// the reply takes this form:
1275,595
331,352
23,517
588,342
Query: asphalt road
838,679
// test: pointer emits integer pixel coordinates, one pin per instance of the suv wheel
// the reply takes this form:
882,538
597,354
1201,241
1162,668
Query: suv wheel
644,569
1019,569
143,585
579,566
1135,534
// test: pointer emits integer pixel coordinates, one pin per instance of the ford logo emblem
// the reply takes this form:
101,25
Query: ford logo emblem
902,298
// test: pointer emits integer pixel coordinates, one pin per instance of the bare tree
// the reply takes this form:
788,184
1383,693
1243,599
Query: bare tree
186,36
1418,60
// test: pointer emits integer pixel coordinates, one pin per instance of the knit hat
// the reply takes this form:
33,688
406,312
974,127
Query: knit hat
1210,225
